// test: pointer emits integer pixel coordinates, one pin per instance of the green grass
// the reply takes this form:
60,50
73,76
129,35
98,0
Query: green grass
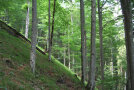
15,72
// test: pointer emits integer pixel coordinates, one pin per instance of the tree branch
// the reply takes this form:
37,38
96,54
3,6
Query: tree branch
118,17
103,4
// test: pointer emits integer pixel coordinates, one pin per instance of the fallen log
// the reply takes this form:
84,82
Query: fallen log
13,32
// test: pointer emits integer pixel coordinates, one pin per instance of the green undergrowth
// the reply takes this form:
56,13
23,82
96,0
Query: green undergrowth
15,72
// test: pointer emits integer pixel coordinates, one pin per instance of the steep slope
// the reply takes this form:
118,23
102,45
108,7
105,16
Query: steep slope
15,73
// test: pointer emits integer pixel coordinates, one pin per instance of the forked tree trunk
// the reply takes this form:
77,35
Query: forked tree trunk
34,35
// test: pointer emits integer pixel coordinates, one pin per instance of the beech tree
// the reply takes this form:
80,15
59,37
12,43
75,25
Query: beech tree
67,42
34,35
27,19
101,40
49,33
83,40
129,36
91,81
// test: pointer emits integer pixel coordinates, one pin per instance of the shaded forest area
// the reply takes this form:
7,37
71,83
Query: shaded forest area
92,38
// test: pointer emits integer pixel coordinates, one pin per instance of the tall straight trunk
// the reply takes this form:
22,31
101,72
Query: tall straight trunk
73,68
69,63
53,22
129,35
91,82
73,60
111,64
64,56
65,52
47,43
34,35
49,33
114,64
101,43
51,38
27,20
69,59
125,88
115,73
83,40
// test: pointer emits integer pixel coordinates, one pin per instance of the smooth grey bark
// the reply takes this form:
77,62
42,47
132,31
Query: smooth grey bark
69,58
34,35
101,43
83,41
91,81
69,65
49,33
129,36
112,67
73,68
46,45
27,20
65,52
73,59
64,56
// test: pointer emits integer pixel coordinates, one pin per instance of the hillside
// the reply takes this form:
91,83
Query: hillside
15,73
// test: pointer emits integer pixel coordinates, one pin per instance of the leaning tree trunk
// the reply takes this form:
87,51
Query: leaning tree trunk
83,40
91,82
27,20
34,35
101,43
126,10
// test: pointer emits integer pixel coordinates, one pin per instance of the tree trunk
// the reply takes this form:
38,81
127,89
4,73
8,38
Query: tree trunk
49,34
115,69
51,38
27,20
73,60
101,43
68,50
83,40
34,35
53,22
91,82
126,10
69,61
64,56
73,67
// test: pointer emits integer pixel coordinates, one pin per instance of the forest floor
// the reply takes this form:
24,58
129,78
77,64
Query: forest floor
15,73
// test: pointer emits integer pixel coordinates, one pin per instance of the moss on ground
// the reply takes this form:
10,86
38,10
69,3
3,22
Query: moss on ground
15,73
